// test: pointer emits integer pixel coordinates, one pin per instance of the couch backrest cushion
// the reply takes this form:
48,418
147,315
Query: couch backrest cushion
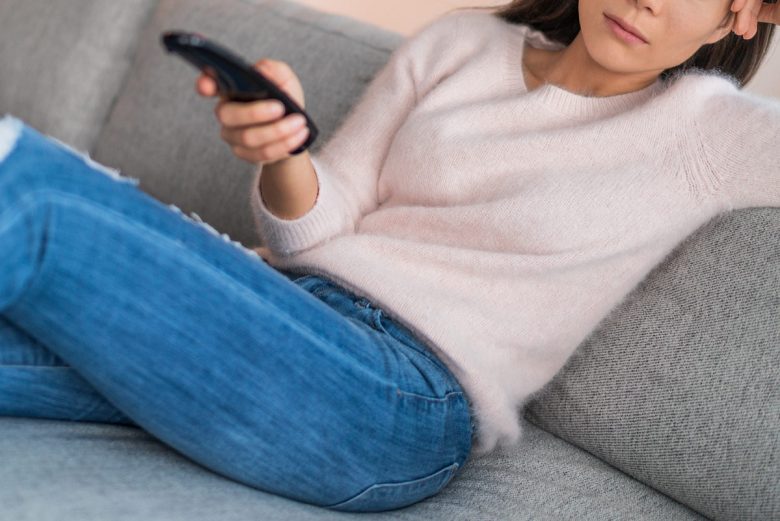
679,386
165,134
62,63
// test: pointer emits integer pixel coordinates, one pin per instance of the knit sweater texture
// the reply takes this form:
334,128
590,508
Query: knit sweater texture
501,226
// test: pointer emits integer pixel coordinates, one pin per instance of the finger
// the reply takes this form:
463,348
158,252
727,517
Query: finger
753,23
237,114
750,19
741,24
258,136
769,13
273,152
743,17
206,86
278,71
738,5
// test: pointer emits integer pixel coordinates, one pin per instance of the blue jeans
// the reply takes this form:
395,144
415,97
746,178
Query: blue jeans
117,308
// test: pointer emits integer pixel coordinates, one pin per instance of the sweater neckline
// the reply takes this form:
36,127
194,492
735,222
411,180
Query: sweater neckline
553,96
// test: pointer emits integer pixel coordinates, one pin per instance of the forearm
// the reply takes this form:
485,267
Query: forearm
289,187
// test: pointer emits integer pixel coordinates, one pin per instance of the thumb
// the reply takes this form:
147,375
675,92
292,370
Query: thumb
283,76
274,69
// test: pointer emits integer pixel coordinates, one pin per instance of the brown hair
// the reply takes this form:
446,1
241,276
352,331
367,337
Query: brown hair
559,21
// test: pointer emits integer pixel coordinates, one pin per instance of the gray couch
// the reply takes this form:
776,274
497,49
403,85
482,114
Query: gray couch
670,410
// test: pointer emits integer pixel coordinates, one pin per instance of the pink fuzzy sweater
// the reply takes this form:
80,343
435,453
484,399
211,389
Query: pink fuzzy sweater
501,225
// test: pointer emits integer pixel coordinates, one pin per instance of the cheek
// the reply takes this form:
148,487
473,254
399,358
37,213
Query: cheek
689,23
684,38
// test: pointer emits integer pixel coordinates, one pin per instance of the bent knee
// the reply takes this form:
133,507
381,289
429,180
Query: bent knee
14,131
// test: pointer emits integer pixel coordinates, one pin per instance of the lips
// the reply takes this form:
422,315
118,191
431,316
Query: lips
627,26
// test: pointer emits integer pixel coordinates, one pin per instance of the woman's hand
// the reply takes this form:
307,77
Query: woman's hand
750,13
254,132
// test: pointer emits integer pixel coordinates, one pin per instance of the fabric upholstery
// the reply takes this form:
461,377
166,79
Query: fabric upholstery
679,386
68,61
61,471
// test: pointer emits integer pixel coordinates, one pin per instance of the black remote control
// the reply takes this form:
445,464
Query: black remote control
236,78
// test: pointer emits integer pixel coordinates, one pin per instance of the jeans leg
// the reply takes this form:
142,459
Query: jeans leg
204,345
36,383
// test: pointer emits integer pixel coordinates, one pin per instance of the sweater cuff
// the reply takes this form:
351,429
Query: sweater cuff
288,237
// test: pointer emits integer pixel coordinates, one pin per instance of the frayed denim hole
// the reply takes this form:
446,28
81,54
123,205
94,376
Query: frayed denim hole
113,173
10,130
195,218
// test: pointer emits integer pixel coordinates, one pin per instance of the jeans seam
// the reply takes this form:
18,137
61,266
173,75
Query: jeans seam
24,203
446,397
423,351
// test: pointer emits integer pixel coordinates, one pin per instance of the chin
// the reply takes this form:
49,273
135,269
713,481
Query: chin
609,54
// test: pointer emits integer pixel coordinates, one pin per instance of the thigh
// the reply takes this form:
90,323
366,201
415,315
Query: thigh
36,383
213,351
426,391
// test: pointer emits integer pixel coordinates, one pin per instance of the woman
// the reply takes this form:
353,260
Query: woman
504,182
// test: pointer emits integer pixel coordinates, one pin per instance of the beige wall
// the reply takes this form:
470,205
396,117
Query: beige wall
404,16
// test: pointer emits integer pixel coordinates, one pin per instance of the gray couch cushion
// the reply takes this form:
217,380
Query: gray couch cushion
163,133
679,386
67,61
62,471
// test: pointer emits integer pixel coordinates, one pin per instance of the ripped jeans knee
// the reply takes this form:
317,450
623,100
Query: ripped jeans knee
195,218
11,128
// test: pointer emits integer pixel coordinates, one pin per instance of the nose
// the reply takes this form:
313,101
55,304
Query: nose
653,5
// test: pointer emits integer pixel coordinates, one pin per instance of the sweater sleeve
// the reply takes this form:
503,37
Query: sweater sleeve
348,165
740,134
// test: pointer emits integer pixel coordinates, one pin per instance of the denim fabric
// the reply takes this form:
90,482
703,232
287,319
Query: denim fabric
115,307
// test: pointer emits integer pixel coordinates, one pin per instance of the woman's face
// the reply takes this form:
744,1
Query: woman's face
674,30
